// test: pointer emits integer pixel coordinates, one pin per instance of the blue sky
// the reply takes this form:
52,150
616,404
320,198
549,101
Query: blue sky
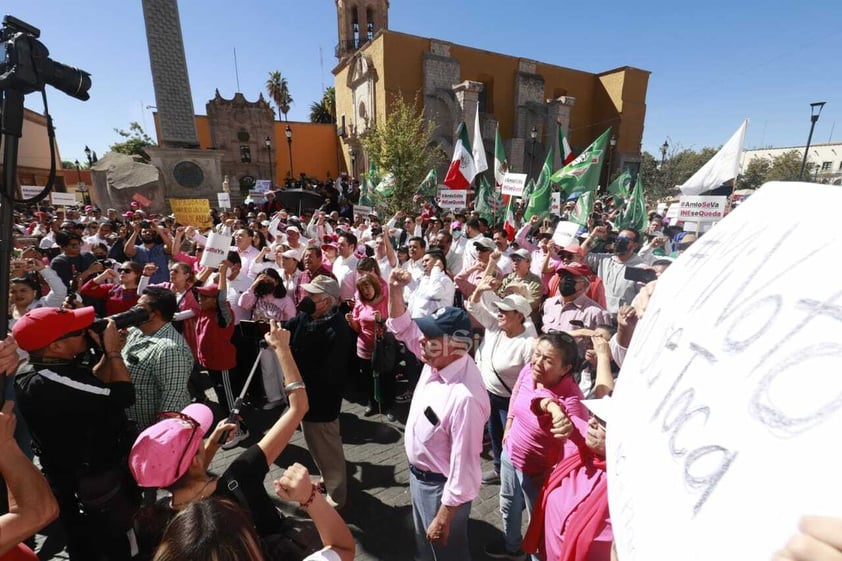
713,63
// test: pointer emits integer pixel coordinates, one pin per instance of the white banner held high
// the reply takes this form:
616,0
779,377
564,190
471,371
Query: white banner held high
730,383
513,184
453,198
702,209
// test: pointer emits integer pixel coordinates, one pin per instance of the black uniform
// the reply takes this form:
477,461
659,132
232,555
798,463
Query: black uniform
82,437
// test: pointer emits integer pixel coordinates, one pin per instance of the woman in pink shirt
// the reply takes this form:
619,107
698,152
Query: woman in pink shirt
544,410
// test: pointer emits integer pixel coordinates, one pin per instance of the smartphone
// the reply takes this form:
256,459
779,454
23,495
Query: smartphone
638,274
431,416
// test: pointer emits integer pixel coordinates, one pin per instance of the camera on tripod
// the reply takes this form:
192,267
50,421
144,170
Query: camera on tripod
27,66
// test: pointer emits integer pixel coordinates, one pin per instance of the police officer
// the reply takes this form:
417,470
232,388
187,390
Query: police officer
80,432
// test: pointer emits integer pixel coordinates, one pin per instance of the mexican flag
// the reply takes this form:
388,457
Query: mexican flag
462,168
582,174
501,162
510,224
566,152
539,200
634,217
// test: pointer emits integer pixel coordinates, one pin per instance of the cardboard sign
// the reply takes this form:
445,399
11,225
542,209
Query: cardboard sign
513,184
729,404
192,212
362,210
141,200
63,199
453,198
702,209
565,233
216,250
224,200
262,185
555,203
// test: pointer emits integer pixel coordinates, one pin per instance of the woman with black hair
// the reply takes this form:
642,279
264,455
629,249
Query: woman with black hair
25,291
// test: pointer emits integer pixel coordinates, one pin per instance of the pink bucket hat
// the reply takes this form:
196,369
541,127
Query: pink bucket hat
163,452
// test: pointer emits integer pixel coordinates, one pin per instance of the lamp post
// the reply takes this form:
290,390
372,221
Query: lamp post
533,134
88,154
815,111
268,144
610,160
288,133
81,185
353,163
664,147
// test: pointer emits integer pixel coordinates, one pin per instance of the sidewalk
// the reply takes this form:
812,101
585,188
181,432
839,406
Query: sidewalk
378,512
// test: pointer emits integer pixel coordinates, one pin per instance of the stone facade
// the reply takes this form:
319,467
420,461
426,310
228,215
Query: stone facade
188,173
169,74
359,21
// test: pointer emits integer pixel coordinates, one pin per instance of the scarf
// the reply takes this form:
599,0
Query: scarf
589,513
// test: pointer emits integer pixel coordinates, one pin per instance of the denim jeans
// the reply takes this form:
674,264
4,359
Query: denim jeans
496,425
516,491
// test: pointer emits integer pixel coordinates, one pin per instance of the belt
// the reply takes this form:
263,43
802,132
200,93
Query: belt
428,476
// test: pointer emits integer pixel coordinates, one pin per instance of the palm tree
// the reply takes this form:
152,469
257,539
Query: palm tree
324,111
278,90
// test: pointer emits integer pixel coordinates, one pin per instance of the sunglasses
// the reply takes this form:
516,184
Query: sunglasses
124,270
194,427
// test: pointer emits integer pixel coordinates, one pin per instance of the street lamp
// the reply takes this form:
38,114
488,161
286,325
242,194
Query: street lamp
353,163
268,143
81,185
664,147
288,133
88,154
610,160
533,134
815,111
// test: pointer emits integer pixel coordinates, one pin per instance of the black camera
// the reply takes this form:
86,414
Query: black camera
27,66
130,318
107,263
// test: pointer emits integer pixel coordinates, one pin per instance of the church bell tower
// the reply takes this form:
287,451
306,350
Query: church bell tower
359,21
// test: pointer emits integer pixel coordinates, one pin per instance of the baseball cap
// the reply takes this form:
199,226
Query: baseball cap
455,225
292,229
163,452
331,245
208,290
322,284
41,326
577,269
291,254
602,408
485,244
445,321
514,303
521,254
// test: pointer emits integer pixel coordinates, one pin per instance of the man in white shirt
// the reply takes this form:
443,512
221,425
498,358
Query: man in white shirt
345,266
101,236
474,234
414,264
501,240
434,289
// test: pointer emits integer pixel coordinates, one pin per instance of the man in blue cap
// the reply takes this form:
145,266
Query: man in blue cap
443,437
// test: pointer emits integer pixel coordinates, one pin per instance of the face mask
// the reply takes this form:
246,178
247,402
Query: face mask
456,234
307,306
621,246
567,286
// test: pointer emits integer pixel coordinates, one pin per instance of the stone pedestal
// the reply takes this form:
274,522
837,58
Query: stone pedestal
188,173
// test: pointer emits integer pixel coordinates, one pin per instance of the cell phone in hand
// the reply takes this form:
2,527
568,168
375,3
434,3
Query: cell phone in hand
638,274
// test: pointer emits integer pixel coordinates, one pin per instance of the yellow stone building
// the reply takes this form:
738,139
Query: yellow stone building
525,97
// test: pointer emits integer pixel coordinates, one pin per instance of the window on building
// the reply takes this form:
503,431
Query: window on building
369,19
355,28
486,96
245,154
826,166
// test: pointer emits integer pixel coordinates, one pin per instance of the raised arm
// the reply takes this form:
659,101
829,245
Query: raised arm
129,248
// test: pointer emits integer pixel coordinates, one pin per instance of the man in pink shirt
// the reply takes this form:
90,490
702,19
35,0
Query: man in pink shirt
443,438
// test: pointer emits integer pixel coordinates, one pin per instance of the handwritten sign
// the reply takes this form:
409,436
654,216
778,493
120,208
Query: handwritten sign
453,198
193,212
729,404
224,200
63,199
513,184
701,209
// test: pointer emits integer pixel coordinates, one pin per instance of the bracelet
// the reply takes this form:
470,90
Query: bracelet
291,387
312,497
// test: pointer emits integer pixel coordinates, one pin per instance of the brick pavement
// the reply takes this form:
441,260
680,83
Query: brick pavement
379,512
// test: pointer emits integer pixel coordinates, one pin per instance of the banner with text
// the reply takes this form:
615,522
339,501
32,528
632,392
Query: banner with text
64,199
453,198
29,191
513,184
730,399
224,200
262,185
192,212
362,210
702,209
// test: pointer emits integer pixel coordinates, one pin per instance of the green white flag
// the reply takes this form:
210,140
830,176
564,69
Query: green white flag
539,200
429,187
620,187
367,195
501,162
634,216
582,174
583,208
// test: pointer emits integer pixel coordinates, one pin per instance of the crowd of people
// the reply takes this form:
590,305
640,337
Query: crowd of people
503,341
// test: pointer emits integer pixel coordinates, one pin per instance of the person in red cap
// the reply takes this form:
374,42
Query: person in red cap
76,415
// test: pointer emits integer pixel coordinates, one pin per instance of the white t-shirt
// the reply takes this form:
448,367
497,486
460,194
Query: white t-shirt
323,555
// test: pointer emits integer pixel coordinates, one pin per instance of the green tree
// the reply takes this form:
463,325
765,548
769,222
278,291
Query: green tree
402,145
755,174
785,167
135,141
278,90
324,110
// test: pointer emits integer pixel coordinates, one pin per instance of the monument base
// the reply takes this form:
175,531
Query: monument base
188,173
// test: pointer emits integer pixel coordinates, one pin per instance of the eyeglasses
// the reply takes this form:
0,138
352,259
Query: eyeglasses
124,270
194,427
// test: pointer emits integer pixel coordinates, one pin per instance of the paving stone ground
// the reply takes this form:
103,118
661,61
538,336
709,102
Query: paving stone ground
379,512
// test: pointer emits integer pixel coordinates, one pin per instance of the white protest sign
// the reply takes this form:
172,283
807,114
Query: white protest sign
224,200
362,210
729,405
701,209
555,203
29,191
513,184
565,233
63,199
262,185
672,212
453,198
216,250
662,207
257,197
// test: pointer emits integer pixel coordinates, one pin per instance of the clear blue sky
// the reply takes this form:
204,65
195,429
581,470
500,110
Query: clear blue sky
713,63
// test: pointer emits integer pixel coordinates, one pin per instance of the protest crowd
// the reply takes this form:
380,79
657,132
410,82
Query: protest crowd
504,339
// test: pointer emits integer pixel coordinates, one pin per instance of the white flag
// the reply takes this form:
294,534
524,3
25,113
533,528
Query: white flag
479,150
724,165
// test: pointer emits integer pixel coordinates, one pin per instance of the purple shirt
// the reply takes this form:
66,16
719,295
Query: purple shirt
457,396
530,445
